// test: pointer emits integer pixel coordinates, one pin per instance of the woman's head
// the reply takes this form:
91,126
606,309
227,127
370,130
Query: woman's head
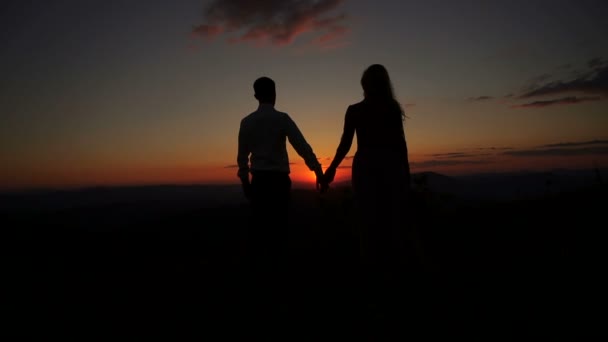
376,83
377,86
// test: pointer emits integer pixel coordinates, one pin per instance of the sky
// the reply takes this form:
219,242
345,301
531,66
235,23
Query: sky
152,92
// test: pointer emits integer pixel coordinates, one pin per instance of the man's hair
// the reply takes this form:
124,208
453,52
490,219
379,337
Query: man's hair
264,89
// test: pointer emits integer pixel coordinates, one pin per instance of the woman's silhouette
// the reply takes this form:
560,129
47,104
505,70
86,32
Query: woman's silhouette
380,173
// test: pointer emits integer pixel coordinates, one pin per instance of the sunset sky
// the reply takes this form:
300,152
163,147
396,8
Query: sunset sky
101,92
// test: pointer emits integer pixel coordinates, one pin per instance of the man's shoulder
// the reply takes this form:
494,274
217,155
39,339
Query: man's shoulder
273,115
282,115
277,112
248,117
278,115
259,112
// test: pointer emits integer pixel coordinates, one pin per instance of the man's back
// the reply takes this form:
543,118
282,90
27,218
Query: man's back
264,134
262,155
262,142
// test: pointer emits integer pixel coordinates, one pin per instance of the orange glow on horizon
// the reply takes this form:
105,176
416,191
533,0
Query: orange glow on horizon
70,176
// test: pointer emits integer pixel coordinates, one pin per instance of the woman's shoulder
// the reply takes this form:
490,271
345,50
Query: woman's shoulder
355,108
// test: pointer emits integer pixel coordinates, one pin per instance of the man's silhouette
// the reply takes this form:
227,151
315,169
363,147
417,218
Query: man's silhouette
262,152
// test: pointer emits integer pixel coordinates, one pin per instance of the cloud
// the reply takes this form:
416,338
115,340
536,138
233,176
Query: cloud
563,149
451,155
494,148
449,162
234,166
582,143
331,36
536,82
482,155
490,155
595,63
456,158
560,101
592,81
207,31
478,152
276,22
562,152
480,98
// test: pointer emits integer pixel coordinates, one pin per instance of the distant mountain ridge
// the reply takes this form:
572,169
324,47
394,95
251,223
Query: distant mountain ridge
513,185
489,186
154,195
505,185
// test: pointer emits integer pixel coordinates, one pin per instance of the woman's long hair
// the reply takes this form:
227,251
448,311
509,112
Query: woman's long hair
377,87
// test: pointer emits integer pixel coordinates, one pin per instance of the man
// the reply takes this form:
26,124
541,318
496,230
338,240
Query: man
262,151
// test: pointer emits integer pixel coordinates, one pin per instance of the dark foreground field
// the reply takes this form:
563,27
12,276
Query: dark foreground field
168,261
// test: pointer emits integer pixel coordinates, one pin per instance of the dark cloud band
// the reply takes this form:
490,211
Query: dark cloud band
277,22
561,101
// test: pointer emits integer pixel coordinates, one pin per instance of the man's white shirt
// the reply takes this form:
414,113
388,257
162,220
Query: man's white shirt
262,142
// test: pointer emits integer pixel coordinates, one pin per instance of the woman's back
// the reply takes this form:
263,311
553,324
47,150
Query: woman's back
378,126
380,171
380,179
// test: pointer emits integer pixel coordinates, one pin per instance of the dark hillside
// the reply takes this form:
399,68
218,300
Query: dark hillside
169,259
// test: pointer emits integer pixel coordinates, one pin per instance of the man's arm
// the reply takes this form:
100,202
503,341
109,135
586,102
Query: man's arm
242,160
297,140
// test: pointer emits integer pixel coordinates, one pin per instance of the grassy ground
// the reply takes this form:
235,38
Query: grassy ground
161,267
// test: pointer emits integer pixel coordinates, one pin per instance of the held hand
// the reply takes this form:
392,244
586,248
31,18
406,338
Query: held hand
247,191
322,185
329,175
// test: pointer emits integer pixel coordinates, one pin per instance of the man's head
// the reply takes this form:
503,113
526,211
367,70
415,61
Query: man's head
265,90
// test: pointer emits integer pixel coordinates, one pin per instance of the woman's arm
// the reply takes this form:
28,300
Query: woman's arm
346,142
405,155
407,164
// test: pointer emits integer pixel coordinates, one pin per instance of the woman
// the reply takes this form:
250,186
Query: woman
380,172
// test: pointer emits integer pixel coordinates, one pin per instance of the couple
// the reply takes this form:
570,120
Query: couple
380,169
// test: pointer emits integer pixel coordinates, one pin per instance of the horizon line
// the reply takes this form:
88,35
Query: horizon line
298,184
